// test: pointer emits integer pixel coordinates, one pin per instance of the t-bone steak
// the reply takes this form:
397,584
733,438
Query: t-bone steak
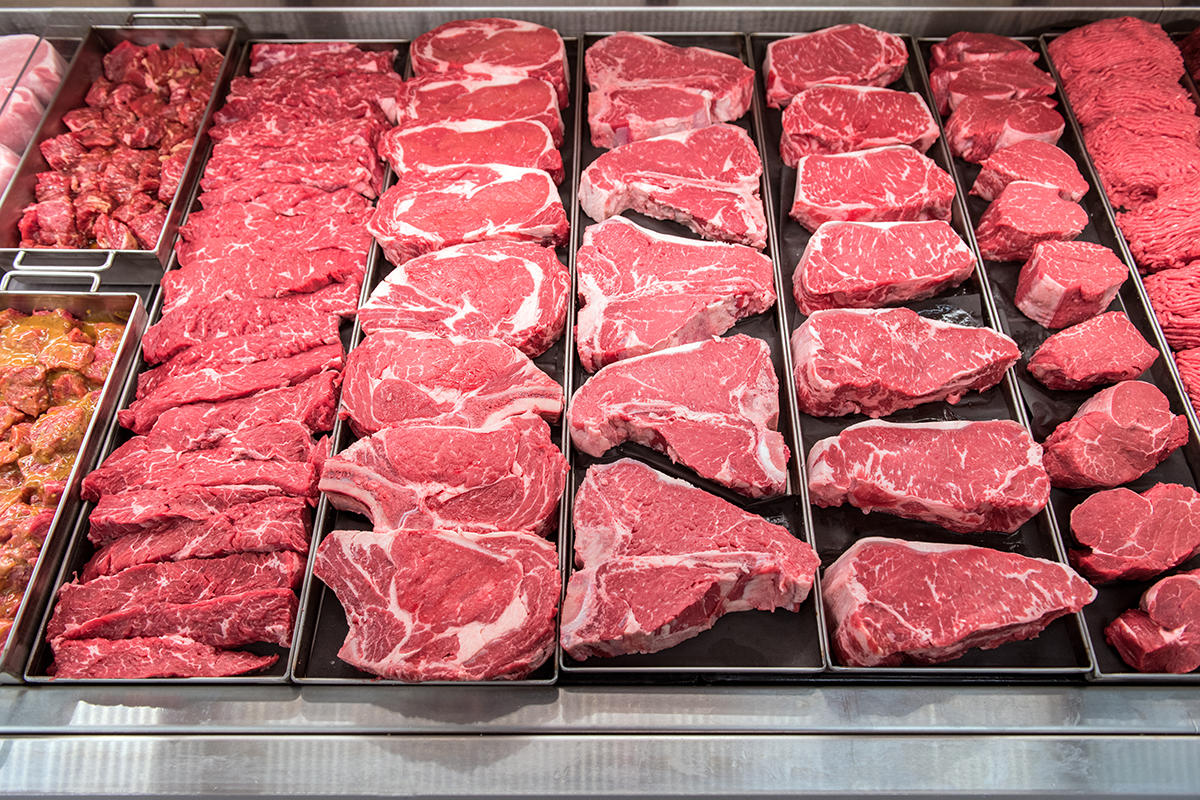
828,118
403,376
895,602
1104,349
1127,536
494,46
516,143
883,184
706,179
965,476
442,604
980,127
659,561
1117,436
1163,633
876,361
1067,282
1030,160
504,478
426,211
1022,216
847,54
995,80
434,98
965,47
873,264
516,292
644,291
712,406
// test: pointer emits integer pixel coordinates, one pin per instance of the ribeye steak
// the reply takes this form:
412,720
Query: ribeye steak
516,143
1030,160
435,98
849,54
980,126
828,118
994,80
965,47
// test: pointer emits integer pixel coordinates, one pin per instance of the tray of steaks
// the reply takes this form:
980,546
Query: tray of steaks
928,492
65,359
117,151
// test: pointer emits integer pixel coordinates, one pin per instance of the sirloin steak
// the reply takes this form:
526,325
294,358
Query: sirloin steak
1163,633
1104,349
894,601
876,361
706,179
660,561
712,406
848,54
965,476
644,291
1132,537
516,143
443,604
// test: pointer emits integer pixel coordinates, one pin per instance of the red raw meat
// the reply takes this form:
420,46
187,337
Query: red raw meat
1104,349
1064,283
995,80
1175,296
1096,96
1163,633
1132,537
150,657
516,143
1118,45
846,54
966,47
1024,215
1030,160
840,119
457,96
980,127
1164,233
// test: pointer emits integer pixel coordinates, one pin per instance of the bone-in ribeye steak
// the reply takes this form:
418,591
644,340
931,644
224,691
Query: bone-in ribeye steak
644,291
516,292
1127,536
707,179
894,601
853,54
457,96
980,126
1104,349
403,376
876,361
964,476
1163,633
1030,160
443,604
712,406
517,143
505,478
660,561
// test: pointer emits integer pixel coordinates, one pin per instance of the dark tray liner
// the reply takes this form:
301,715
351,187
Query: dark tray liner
1060,650
81,550
325,628
752,645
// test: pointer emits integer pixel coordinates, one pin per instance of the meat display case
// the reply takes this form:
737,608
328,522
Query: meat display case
1054,736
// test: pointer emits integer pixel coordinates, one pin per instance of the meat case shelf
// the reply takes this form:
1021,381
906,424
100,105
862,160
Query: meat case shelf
677,735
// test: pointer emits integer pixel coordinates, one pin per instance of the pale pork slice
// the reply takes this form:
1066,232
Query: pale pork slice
828,118
1127,536
1064,283
1103,349
1163,633
516,143
849,54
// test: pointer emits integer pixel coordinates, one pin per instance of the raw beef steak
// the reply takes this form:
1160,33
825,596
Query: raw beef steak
707,179
1117,436
1117,45
1163,633
847,54
965,47
712,406
1067,282
505,478
872,264
876,361
839,119
1104,349
404,376
1175,296
964,476
429,605
427,211
896,602
148,511
516,292
980,127
437,98
1164,234
644,291
1030,160
994,80
494,46
879,185
660,561
1022,216
1132,537
516,143
150,657
639,84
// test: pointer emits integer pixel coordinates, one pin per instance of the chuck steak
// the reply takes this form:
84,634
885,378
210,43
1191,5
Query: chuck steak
433,98
828,118
1022,216
706,179
966,47
516,292
894,601
1104,349
879,185
150,657
995,80
1163,633
872,264
980,126
427,211
1067,282
403,376
876,361
1030,160
516,143
848,54
712,406
493,46
660,561
1132,537
505,478
147,511
964,476
644,291
1117,436
428,605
